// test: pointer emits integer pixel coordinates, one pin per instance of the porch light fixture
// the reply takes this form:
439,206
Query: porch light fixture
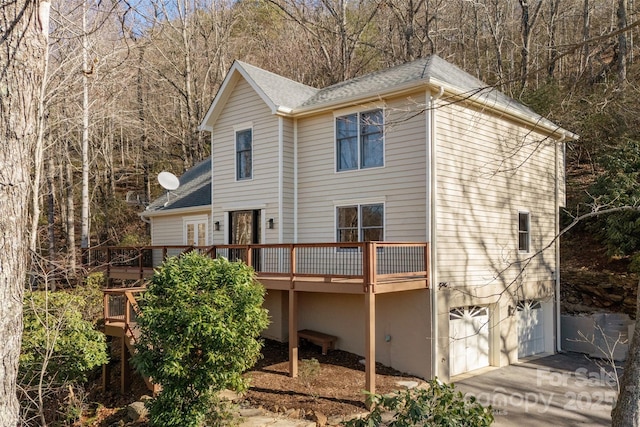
270,223
216,225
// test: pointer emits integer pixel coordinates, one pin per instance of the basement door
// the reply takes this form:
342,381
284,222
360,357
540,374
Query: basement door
469,339
530,328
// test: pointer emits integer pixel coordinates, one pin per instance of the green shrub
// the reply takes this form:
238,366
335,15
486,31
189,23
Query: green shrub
200,323
91,293
437,405
58,340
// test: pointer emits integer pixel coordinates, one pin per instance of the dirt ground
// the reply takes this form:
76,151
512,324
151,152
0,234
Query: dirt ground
333,386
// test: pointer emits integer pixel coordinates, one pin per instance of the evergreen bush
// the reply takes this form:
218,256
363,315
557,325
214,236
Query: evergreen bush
200,323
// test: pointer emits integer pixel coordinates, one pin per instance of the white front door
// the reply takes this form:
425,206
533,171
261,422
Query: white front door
469,339
530,328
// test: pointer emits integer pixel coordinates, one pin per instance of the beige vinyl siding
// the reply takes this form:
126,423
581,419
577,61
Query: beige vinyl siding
489,169
244,106
402,326
169,231
399,184
288,182
166,230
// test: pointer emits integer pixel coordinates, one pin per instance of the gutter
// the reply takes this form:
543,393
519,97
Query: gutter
431,187
176,211
534,120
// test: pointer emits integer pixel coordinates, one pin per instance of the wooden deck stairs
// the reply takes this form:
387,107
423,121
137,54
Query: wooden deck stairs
121,311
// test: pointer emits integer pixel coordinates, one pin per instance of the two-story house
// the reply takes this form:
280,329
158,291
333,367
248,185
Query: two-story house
420,152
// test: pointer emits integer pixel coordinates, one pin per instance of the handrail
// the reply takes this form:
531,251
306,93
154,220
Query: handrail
367,261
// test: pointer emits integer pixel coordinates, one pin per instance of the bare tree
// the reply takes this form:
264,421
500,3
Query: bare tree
24,26
530,11
622,43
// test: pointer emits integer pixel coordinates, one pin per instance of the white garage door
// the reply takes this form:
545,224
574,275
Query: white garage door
530,328
469,339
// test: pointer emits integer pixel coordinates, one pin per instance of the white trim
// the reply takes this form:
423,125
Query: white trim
243,206
526,212
243,126
295,180
358,203
280,180
235,73
237,129
195,220
359,110
176,211
381,104
213,230
431,198
556,313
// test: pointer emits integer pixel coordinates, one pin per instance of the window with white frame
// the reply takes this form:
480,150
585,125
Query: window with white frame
524,231
360,140
244,154
195,231
360,223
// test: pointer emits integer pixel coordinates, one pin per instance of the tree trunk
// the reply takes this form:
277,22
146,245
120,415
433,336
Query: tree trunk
21,64
84,220
627,410
38,166
552,29
622,43
527,21
586,14
70,225
51,206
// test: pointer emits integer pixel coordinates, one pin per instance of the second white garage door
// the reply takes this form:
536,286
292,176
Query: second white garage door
469,339
530,328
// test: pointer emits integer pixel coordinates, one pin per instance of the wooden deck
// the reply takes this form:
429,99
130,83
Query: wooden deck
353,268
365,268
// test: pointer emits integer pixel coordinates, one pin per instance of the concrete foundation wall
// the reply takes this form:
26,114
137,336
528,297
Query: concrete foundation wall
601,335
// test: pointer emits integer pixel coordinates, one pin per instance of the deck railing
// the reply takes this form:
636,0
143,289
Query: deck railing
372,261
120,306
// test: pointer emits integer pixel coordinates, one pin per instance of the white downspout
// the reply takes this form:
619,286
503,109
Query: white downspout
280,178
212,210
431,222
295,180
559,145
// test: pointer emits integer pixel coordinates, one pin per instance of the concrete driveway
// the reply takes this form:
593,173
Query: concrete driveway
565,389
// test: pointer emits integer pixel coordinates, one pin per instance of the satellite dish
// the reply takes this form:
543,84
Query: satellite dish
168,181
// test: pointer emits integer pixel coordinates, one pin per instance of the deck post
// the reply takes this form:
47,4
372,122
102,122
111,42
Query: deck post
125,369
293,333
140,263
370,334
106,368
369,271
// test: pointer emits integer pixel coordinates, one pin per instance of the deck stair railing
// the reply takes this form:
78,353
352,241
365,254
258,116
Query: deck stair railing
121,311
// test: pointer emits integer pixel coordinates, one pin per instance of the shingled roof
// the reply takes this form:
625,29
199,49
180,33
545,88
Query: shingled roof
194,191
290,97
430,70
282,92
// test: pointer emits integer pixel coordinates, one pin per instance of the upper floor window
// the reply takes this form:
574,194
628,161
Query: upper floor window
359,140
360,223
524,231
244,154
